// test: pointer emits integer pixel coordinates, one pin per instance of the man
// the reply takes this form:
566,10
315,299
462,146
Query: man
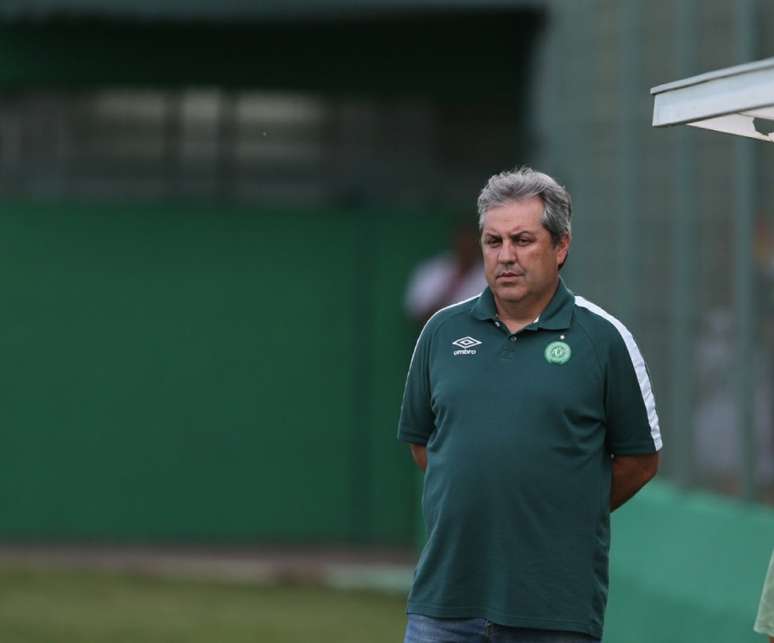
446,278
531,413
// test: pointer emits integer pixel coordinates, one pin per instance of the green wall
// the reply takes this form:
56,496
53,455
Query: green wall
687,566
201,373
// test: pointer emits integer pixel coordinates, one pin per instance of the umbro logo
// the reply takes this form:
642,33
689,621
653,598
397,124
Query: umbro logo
466,345
466,342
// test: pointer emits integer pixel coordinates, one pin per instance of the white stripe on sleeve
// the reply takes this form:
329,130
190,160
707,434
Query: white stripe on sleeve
639,366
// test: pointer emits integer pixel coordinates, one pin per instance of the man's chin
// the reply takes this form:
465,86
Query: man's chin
511,294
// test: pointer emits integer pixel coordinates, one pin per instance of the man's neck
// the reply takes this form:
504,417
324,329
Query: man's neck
517,315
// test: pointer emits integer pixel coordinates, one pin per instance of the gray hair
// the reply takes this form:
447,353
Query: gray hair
525,183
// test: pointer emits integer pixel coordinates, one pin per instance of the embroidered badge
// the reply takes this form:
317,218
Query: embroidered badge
558,353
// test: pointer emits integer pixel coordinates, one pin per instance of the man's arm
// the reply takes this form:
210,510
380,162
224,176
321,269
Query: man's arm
630,473
419,453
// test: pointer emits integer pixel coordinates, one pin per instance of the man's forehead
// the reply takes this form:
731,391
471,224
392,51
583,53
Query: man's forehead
504,224
523,214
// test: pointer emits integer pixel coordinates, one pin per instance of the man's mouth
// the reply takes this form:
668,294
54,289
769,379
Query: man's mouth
509,275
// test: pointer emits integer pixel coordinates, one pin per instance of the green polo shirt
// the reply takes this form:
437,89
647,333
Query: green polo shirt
519,430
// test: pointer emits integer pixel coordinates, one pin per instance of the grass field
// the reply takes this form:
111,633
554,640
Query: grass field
55,606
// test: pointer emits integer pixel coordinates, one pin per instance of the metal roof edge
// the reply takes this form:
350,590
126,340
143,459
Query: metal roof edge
714,75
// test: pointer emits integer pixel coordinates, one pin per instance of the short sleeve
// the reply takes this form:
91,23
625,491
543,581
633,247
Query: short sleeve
764,624
416,413
631,418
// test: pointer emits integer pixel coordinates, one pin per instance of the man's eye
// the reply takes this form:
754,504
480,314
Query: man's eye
492,242
523,241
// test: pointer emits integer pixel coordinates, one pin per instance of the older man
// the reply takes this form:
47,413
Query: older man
531,413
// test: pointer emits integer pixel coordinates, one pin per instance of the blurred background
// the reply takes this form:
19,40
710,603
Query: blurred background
211,218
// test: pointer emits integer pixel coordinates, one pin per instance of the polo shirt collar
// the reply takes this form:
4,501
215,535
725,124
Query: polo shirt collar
556,316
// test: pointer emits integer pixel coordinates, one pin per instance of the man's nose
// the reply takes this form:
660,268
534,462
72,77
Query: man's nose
507,253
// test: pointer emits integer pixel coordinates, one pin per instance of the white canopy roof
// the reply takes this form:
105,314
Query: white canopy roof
737,100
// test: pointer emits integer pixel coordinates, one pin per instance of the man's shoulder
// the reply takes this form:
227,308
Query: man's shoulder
599,324
458,310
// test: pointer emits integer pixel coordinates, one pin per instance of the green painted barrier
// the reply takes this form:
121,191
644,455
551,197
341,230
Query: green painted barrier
206,373
687,566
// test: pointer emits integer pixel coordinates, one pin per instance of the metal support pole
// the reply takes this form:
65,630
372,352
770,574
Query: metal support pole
746,196
568,26
630,50
227,137
684,299
173,135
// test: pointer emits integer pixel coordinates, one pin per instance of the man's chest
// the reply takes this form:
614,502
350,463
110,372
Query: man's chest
535,376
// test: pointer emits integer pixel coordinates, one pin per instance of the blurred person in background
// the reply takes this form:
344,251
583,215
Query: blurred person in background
716,441
764,272
718,446
764,624
531,413
446,278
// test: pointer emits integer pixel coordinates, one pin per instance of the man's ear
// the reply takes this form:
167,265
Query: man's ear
563,249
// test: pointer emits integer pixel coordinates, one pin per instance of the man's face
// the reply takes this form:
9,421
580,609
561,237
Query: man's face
521,262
